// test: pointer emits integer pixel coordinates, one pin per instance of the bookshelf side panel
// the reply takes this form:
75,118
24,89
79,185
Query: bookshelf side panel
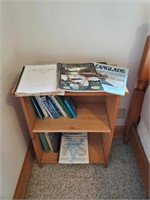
37,148
30,117
29,113
112,105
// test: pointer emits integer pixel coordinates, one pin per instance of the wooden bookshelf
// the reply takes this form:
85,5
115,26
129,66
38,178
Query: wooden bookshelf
96,114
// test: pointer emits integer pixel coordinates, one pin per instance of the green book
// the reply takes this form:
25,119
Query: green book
44,142
60,101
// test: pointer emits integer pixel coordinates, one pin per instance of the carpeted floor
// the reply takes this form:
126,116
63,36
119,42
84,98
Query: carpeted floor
120,180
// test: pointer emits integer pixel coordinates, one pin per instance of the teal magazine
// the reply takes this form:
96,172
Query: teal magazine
113,78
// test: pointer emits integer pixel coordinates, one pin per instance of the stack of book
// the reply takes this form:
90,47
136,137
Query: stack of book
54,106
50,141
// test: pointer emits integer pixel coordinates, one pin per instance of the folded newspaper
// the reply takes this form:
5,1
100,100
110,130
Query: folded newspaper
74,148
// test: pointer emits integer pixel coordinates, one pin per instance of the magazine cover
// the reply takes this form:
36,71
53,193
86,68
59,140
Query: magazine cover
78,77
74,148
113,78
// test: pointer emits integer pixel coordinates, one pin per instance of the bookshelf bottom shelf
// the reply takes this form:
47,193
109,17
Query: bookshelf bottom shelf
96,153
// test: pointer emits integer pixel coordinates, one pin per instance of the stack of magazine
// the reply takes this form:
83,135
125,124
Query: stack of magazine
55,79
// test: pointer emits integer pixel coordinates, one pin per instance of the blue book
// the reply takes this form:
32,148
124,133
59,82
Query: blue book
54,111
47,107
55,107
37,107
69,102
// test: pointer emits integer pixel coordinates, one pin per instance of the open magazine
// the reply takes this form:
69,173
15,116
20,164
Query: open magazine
92,77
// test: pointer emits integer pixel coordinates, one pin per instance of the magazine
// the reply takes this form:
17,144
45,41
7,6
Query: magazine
78,77
113,78
92,77
74,148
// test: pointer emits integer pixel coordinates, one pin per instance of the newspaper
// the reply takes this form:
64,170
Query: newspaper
92,77
74,148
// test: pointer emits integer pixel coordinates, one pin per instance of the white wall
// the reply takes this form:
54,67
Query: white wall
62,31
0,100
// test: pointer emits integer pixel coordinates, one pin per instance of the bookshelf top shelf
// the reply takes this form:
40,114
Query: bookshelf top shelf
92,93
67,93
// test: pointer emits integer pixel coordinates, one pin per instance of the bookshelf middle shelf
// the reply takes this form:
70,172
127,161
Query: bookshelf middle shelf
91,117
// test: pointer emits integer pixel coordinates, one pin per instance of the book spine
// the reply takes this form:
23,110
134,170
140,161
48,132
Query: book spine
60,101
39,100
70,106
47,108
36,107
49,140
44,142
51,106
55,140
59,106
57,110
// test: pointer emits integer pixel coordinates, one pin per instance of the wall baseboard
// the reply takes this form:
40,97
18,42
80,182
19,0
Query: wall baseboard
25,173
26,170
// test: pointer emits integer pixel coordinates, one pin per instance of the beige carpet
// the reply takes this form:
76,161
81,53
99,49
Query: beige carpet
120,180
